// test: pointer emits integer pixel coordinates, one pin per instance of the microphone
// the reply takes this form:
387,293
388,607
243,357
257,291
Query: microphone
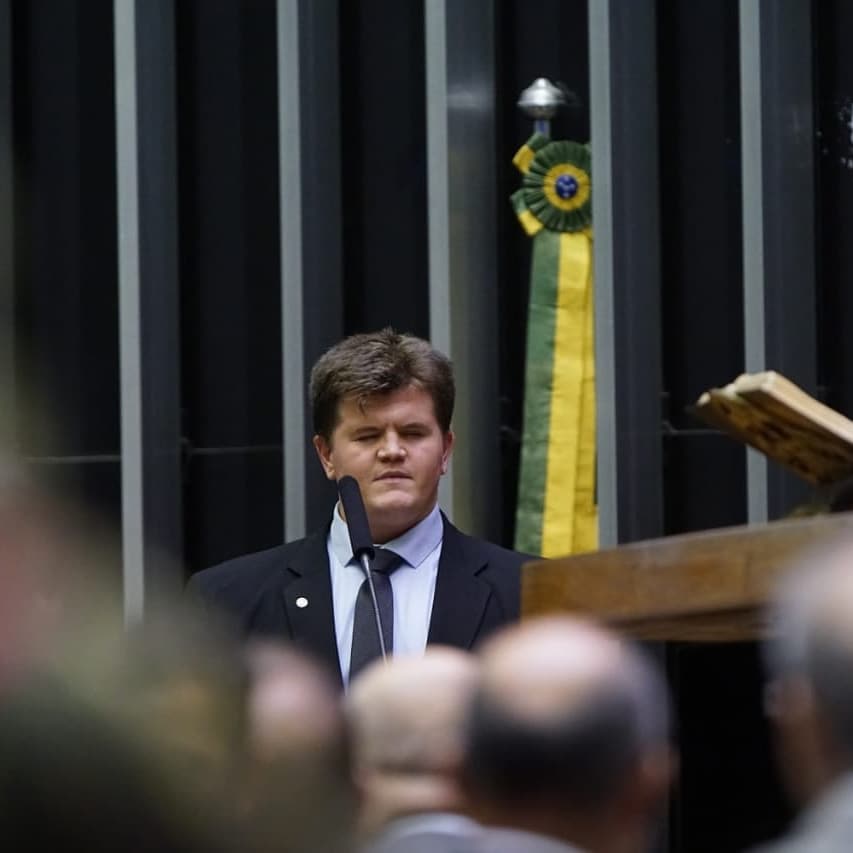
361,541
359,530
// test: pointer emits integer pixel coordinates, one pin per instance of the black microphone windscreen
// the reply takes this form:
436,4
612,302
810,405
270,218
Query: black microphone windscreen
359,529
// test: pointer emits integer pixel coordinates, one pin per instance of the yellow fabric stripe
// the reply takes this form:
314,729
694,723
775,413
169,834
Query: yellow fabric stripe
523,158
586,511
529,222
558,524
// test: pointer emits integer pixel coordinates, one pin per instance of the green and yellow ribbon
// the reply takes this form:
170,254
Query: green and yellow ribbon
557,512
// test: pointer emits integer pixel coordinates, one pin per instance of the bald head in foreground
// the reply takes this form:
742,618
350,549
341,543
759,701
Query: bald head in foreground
809,695
407,718
299,792
568,743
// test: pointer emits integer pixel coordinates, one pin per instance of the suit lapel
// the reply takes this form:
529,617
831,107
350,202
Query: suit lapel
460,596
307,598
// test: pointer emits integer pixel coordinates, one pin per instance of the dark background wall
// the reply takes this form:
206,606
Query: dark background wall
65,322
229,263
384,166
834,172
66,301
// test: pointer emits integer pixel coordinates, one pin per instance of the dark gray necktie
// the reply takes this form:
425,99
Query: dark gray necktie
365,639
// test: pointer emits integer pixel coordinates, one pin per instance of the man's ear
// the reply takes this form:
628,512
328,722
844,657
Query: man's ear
449,438
647,787
324,452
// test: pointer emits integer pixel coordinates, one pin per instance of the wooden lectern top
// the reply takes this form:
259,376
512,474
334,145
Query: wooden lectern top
700,587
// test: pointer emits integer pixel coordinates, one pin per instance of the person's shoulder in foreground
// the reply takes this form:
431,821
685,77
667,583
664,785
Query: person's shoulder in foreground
809,699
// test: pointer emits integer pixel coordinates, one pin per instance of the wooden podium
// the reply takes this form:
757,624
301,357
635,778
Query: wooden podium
698,587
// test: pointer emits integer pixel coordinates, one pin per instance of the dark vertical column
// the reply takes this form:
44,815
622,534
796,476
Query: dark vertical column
780,306
461,125
833,69
7,243
701,256
322,269
148,288
383,166
230,291
312,286
624,124
65,293
158,267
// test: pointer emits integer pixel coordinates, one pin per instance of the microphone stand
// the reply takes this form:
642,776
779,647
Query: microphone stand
368,573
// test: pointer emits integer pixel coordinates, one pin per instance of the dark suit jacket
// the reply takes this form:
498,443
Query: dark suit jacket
477,590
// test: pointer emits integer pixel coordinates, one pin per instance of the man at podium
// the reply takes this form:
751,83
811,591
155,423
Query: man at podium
382,404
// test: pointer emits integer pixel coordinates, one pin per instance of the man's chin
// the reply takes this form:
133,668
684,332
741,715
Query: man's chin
392,506
396,515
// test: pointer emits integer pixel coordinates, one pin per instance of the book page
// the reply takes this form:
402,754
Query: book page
771,414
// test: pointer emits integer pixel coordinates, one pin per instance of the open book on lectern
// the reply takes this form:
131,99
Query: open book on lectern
770,413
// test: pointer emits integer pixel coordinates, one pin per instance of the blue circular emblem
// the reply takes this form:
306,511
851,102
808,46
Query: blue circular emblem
566,187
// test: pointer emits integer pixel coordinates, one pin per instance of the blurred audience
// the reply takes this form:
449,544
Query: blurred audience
73,778
568,744
172,735
809,696
299,794
43,581
407,718
122,741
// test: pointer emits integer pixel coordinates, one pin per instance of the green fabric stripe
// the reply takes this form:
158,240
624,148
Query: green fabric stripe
538,141
518,203
538,379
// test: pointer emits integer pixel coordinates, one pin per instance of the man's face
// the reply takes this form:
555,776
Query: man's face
396,451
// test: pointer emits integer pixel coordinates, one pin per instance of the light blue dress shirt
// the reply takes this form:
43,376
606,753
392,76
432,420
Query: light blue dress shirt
413,584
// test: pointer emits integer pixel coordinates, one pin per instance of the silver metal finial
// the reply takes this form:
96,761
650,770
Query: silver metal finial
541,100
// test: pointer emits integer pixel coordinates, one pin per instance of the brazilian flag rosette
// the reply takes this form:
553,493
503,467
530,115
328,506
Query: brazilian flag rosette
557,513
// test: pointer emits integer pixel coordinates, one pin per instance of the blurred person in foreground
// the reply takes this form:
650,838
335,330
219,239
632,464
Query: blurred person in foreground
809,696
568,746
74,779
382,404
407,719
57,572
124,741
299,794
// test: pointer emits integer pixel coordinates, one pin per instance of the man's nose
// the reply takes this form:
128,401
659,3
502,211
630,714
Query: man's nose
391,447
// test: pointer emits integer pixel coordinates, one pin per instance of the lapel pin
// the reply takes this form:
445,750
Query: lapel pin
302,601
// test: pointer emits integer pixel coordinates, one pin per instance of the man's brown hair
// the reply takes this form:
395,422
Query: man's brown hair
375,363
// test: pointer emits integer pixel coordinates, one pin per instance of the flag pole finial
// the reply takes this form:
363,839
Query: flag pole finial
540,101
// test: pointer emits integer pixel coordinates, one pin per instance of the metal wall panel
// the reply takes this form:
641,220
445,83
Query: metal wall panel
312,275
462,250
624,129
148,300
778,217
7,235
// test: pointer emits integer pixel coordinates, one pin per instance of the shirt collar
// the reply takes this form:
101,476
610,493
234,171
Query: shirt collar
414,546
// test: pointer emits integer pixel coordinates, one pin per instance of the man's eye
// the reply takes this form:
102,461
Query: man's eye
366,437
